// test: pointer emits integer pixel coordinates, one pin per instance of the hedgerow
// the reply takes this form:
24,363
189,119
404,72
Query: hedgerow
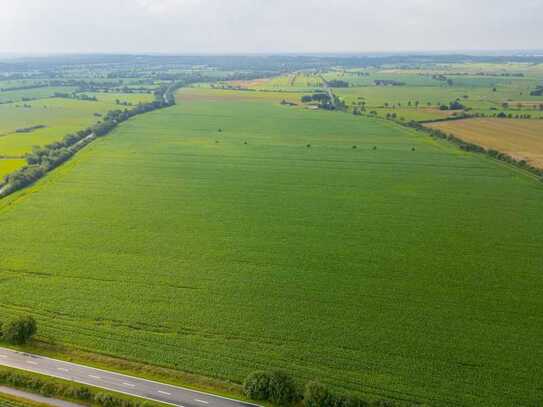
64,390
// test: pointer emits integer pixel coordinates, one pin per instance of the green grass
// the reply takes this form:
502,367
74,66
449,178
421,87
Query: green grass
391,272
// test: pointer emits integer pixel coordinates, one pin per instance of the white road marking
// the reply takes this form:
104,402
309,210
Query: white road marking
129,384
165,392
62,369
31,362
94,377
201,401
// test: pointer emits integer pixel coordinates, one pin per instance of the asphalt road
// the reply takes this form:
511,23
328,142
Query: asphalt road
117,382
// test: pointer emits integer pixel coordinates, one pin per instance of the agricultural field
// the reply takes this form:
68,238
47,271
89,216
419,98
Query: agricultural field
56,117
338,247
33,93
294,82
483,89
521,139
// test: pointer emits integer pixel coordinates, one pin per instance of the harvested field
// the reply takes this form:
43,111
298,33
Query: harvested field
522,139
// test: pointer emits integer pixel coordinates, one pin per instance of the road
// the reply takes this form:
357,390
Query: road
117,382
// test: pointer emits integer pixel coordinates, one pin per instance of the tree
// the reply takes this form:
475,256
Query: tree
283,390
456,105
257,386
19,331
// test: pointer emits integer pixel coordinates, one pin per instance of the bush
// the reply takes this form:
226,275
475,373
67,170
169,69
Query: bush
257,386
282,388
317,395
78,393
49,389
347,400
105,400
20,330
275,386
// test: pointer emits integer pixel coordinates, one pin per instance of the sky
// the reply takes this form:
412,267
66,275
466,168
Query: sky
267,26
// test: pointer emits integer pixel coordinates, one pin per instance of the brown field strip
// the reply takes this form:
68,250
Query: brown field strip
522,139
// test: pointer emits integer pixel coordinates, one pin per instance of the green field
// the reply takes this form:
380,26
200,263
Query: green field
422,94
60,116
34,93
407,274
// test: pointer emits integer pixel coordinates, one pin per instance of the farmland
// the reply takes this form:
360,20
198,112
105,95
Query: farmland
419,94
521,139
403,267
56,117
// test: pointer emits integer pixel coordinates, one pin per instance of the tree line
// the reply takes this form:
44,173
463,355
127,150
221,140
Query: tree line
281,389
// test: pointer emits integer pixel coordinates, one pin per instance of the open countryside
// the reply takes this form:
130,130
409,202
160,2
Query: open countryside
168,195
271,204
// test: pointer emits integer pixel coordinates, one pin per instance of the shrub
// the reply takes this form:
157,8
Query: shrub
348,400
48,389
275,386
257,386
317,395
384,403
20,330
78,393
282,388
105,400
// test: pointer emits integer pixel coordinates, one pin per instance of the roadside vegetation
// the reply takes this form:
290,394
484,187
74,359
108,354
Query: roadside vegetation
70,391
11,401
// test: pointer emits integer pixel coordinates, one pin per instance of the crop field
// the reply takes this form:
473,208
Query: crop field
522,139
483,89
34,93
300,81
8,165
60,116
275,243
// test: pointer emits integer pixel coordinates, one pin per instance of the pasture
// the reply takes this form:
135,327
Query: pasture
521,139
403,267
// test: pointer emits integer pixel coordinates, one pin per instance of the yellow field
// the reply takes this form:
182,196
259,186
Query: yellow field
9,165
521,139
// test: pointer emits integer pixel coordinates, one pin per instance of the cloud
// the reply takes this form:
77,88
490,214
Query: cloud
226,26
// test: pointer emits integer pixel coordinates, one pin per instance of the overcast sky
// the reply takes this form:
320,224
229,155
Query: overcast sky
267,26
